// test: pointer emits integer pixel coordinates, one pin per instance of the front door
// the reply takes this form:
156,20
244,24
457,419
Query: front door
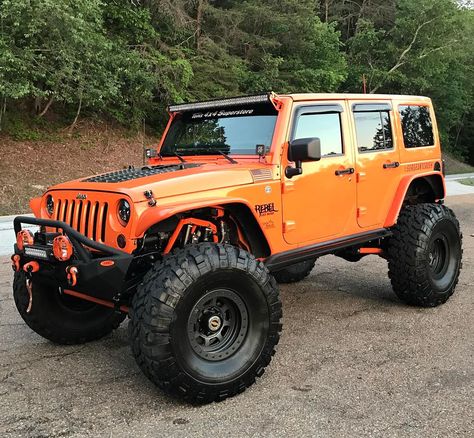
319,204
377,164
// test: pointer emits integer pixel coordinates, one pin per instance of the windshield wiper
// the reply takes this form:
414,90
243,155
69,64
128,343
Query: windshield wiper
231,160
179,157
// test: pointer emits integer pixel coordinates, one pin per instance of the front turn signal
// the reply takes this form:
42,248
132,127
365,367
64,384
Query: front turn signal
24,237
62,248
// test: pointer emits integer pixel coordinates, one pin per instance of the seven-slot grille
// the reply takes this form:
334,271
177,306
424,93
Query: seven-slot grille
87,217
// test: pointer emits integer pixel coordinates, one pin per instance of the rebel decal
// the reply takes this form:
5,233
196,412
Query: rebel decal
265,209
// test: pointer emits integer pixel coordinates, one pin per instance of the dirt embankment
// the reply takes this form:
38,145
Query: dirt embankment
27,168
455,166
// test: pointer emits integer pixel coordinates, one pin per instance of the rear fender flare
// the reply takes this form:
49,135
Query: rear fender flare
434,179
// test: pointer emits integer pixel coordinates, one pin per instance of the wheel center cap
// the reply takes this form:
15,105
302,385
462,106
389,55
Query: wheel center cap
214,323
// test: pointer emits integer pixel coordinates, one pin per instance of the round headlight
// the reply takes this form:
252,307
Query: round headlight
124,211
50,205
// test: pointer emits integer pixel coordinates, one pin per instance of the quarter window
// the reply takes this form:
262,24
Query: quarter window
374,132
326,127
416,126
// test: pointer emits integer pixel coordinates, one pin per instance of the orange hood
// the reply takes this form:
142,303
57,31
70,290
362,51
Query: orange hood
169,179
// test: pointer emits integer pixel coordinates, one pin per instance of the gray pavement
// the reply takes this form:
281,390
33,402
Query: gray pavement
455,188
352,361
459,176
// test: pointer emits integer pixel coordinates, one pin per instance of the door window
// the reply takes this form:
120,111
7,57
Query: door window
326,127
374,131
416,126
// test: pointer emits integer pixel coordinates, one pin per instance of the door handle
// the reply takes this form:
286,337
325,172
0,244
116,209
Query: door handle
348,171
393,165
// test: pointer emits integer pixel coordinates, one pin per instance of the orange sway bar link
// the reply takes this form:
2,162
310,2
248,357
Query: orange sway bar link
105,303
189,221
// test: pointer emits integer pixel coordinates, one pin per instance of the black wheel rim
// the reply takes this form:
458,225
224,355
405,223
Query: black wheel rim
438,256
443,256
218,324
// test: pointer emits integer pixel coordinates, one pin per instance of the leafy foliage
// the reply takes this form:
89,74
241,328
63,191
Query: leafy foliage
128,59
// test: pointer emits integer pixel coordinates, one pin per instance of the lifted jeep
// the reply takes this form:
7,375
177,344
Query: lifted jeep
240,194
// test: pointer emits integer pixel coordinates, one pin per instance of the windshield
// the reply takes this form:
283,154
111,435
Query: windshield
229,131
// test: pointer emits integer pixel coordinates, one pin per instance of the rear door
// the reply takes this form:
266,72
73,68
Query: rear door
377,160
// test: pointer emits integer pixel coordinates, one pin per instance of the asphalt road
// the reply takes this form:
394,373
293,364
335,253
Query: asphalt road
352,361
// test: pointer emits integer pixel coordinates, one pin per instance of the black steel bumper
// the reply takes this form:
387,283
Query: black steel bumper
101,269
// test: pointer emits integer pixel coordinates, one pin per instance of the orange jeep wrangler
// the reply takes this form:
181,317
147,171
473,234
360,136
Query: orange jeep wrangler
240,194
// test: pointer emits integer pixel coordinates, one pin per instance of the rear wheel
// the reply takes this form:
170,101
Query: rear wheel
205,322
424,254
296,272
61,318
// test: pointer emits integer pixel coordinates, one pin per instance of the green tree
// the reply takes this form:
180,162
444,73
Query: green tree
425,48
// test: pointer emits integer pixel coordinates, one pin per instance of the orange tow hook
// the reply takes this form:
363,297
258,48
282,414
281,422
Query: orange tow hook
71,272
16,262
31,267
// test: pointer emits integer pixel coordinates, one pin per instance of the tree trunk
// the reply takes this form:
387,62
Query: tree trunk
3,110
73,124
199,16
46,108
37,104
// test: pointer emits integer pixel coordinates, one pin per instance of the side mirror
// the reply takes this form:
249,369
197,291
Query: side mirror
301,150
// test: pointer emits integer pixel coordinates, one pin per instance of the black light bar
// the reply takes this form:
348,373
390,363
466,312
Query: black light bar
220,103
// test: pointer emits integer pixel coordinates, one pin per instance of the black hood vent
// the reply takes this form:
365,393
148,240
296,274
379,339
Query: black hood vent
134,173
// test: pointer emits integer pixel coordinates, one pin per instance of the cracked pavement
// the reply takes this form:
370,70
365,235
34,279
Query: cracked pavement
352,361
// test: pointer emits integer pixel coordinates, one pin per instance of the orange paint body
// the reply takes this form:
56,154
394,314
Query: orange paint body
314,207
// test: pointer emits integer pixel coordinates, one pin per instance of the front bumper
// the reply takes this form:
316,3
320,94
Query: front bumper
99,270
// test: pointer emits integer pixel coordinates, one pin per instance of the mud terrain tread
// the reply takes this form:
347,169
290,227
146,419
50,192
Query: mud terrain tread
48,328
407,267
296,272
152,310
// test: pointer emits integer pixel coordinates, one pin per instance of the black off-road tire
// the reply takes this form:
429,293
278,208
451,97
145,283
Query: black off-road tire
296,272
424,255
60,318
166,322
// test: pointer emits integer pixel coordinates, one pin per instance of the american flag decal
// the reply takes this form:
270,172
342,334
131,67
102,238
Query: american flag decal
261,174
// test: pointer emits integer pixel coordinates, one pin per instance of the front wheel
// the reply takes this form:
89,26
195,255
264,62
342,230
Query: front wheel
205,322
424,254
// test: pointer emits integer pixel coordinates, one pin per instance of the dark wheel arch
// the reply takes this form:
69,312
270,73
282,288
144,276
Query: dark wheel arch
240,214
425,189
